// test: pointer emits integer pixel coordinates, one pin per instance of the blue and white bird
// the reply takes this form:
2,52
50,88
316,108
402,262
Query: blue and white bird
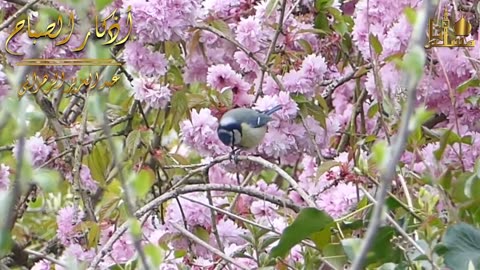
244,128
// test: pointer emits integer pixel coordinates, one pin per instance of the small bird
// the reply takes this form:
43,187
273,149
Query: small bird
244,128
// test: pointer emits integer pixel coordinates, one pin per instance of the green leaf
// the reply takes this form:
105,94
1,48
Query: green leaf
179,107
146,137
382,250
272,4
326,166
388,266
340,23
202,233
351,246
377,47
48,180
222,27
473,82
462,242
316,112
380,153
413,62
98,161
100,4
93,234
135,227
322,4
472,186
322,238
305,45
132,141
421,116
225,98
335,255
308,221
373,110
411,15
142,182
155,253
448,137
321,22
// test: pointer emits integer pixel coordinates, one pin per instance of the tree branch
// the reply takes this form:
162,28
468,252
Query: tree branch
387,175
17,14
143,211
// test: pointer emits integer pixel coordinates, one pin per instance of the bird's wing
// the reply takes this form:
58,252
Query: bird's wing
259,121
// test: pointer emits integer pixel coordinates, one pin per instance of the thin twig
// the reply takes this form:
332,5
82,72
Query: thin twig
250,54
283,174
271,48
46,257
17,14
144,210
77,166
126,191
417,42
207,246
400,229
213,216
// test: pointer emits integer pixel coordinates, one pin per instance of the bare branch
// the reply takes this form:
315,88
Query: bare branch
271,48
387,175
46,257
144,210
215,251
17,14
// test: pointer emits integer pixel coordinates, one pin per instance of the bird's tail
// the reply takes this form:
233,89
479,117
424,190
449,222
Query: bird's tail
273,110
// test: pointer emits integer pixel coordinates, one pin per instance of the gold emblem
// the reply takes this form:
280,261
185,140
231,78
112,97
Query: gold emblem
438,34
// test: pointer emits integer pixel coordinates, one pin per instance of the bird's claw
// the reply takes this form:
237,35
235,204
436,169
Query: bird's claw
234,156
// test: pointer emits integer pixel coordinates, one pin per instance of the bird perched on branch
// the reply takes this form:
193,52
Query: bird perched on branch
244,128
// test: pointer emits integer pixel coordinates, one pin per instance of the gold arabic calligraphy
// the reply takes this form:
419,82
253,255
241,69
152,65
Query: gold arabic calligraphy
50,32
438,35
56,82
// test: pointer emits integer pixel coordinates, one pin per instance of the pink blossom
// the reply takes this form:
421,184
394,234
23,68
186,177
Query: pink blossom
271,189
314,67
276,143
66,224
86,180
20,43
289,106
144,61
229,232
338,201
160,20
263,210
200,133
195,69
220,7
76,253
270,87
42,265
195,214
4,180
217,174
35,149
87,137
297,82
122,250
150,91
202,263
249,33
220,76
246,62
